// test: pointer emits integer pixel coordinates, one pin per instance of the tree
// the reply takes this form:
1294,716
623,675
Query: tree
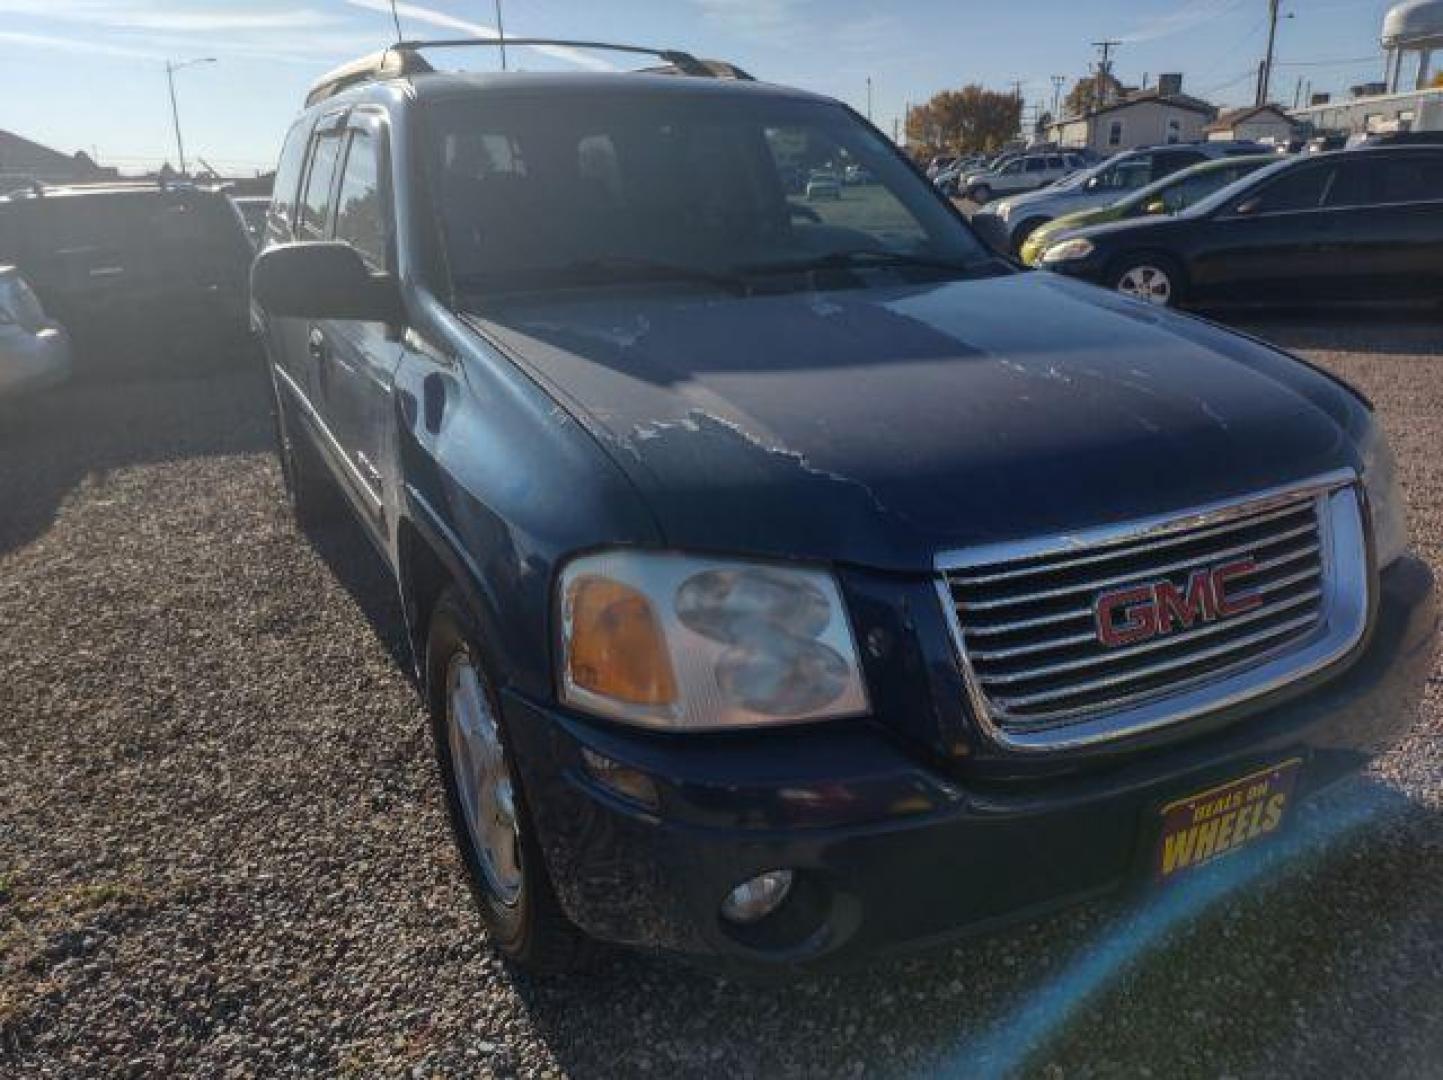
963,121
1083,97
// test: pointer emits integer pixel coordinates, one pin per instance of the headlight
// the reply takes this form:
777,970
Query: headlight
1068,250
1385,498
692,644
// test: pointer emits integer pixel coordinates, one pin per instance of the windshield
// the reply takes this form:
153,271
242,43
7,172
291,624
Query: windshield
541,190
1183,189
1224,195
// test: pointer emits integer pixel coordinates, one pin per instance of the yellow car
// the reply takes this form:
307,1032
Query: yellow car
1166,196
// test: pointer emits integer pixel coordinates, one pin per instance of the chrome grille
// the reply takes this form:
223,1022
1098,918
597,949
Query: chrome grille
1027,628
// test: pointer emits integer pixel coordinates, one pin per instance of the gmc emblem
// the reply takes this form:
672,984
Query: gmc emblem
1139,612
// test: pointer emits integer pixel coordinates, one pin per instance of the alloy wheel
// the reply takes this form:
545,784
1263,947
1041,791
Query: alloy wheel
1150,283
483,780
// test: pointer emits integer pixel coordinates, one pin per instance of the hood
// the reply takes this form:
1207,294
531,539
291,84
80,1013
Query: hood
881,426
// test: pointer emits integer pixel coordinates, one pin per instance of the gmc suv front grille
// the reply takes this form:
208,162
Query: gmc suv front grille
1093,636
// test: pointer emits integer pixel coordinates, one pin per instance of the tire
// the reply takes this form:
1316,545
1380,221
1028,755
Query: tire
981,194
1026,229
507,873
311,493
1152,278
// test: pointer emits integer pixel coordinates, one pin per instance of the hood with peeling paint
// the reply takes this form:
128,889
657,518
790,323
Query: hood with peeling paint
880,426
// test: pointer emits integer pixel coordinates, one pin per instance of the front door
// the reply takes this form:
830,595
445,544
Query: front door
357,360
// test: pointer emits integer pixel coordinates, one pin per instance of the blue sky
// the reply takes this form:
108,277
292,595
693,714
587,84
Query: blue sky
89,74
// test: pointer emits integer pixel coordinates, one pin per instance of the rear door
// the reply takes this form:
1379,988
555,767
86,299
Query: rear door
357,360
1266,243
1396,238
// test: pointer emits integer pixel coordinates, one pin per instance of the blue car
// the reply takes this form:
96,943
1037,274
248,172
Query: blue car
790,582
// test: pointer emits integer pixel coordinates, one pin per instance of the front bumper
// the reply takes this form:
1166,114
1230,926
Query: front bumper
891,850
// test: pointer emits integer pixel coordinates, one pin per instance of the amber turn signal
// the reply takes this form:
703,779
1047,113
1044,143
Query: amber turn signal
617,648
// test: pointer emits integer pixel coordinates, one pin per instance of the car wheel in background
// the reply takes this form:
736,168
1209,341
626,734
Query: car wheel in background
1026,229
981,194
1155,279
312,494
485,804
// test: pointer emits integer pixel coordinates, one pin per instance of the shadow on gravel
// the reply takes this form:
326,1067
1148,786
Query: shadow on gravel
1242,971
79,433
349,555
1387,333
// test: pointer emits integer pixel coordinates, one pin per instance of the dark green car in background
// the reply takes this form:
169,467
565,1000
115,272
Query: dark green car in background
1166,196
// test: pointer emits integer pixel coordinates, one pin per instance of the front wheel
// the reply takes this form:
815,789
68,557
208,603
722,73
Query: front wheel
981,194
1154,279
487,809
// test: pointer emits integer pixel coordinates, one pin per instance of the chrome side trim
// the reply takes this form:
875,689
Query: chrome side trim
331,446
1345,586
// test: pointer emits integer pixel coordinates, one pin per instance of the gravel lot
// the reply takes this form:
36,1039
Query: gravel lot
222,850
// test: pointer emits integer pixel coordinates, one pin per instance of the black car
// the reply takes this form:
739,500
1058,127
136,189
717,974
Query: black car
142,274
789,581
1359,225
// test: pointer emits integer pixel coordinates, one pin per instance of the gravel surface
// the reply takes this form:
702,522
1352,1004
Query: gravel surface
222,850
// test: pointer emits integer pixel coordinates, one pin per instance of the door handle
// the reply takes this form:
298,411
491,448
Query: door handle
316,344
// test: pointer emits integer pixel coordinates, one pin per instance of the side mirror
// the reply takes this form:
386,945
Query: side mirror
323,280
1248,206
1157,206
1094,183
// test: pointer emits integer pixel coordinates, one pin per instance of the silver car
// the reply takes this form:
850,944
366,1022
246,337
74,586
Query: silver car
1024,173
34,352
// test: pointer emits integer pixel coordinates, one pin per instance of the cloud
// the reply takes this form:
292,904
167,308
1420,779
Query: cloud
133,15
417,13
762,17
1185,18
75,45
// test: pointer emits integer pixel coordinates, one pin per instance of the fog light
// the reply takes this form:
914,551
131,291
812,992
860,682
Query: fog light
757,897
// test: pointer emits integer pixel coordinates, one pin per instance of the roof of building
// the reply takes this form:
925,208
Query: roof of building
1231,118
1413,20
1150,97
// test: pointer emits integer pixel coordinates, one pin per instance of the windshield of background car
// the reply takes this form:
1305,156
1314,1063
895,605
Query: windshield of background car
1181,190
1222,196
534,190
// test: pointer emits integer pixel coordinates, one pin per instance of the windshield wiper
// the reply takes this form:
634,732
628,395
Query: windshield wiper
857,259
603,269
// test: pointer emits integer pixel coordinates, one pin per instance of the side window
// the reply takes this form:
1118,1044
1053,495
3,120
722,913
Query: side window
360,217
316,203
1012,168
1114,133
1301,189
1037,164
288,176
1413,178
1352,185
1169,162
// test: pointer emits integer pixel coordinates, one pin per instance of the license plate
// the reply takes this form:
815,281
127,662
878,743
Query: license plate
1200,828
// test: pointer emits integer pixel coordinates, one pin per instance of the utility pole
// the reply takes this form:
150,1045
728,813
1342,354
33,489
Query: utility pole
1104,68
1058,82
501,33
1265,73
170,69
869,98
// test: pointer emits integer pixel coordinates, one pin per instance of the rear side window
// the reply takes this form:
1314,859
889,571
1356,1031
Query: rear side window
1171,161
316,204
359,217
1415,178
1037,164
288,174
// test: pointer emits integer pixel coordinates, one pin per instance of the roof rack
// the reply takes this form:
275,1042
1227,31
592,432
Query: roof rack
403,59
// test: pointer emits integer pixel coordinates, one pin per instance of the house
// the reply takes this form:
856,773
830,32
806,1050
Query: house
1256,123
22,161
1143,118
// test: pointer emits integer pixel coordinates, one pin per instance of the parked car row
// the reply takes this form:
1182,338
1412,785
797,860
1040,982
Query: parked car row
140,274
1356,225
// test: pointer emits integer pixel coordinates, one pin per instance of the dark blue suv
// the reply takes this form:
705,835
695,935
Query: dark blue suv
790,579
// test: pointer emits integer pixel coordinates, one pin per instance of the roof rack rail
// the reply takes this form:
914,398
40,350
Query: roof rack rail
403,58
